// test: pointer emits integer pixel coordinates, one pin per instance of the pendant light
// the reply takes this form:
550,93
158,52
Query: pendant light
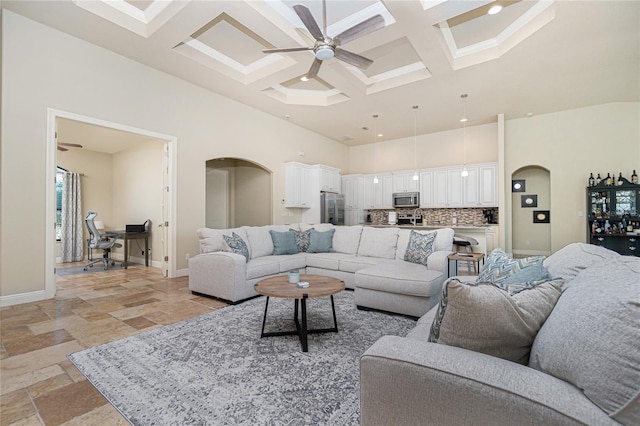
465,172
375,144
415,143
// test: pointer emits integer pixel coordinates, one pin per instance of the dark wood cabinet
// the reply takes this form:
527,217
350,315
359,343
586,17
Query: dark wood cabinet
610,209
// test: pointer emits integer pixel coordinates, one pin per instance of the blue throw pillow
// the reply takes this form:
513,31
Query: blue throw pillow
302,239
500,266
321,242
420,247
283,242
525,279
237,245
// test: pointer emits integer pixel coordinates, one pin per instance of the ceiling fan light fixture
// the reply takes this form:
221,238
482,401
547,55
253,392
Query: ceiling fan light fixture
324,52
495,9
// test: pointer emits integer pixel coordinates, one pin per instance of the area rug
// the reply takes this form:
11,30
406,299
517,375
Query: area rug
215,369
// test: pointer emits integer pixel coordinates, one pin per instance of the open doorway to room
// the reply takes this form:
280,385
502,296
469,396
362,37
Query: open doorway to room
238,193
531,212
125,174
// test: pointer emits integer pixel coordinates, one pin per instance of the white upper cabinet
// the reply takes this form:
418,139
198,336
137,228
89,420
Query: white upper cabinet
470,187
488,185
478,189
353,189
427,198
403,182
329,179
454,187
298,188
378,195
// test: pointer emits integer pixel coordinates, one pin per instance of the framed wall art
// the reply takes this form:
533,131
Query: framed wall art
541,216
529,201
518,185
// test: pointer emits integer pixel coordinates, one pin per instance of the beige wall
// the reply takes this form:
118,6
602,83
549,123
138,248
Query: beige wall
137,194
43,68
531,238
252,196
571,144
433,150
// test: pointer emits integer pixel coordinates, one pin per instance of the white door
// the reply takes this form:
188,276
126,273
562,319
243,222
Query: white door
164,215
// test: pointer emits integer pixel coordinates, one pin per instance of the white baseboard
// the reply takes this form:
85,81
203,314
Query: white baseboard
182,272
16,299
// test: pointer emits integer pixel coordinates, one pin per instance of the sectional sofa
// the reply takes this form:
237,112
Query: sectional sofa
369,260
582,367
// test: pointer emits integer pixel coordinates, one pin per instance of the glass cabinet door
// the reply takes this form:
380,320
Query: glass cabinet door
599,204
626,202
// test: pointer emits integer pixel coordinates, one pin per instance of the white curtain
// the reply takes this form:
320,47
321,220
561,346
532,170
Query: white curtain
72,240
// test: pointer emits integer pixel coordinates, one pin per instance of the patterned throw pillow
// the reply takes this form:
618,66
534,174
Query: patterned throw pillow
237,244
420,247
302,239
499,266
485,318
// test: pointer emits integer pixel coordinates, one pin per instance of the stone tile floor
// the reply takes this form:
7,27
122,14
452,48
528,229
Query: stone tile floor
38,384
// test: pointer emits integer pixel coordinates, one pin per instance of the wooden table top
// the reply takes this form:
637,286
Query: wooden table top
280,286
471,257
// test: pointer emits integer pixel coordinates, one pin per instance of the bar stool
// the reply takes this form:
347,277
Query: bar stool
463,243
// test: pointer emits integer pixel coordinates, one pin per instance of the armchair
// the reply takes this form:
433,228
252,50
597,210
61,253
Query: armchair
98,242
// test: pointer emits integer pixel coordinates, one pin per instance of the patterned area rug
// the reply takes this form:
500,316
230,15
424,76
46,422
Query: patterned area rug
216,370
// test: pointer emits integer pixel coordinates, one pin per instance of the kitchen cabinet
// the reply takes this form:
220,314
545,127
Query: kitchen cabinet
427,199
298,190
329,179
492,238
353,190
378,195
488,185
478,189
403,182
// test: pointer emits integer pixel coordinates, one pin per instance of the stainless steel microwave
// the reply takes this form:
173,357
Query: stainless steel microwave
406,199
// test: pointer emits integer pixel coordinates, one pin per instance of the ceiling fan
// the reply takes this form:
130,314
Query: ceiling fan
326,47
62,145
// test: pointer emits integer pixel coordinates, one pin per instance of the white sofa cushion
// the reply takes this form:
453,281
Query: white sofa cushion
346,239
260,239
257,268
288,262
325,260
356,263
401,277
378,242
320,227
212,240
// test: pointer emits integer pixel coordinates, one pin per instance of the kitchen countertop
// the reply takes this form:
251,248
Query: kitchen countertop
437,226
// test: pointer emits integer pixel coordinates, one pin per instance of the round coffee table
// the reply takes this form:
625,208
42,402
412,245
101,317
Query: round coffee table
319,286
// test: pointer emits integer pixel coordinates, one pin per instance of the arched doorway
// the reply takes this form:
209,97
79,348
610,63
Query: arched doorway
531,231
238,193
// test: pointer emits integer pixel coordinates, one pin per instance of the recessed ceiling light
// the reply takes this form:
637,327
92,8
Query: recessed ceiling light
463,120
304,78
380,135
529,114
495,9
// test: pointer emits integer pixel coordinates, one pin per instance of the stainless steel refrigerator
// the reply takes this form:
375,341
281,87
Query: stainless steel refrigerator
332,208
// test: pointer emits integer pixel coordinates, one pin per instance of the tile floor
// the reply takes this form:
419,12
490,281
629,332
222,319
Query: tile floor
38,384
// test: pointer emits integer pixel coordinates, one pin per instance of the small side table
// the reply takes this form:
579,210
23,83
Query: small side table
466,257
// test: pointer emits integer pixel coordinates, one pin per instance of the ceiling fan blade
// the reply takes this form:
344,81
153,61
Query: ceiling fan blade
363,28
62,149
308,21
353,58
315,67
286,49
74,145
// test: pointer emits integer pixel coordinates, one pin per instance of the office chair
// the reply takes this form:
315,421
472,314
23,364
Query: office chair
97,242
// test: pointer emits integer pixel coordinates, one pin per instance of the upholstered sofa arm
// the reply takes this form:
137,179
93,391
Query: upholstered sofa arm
437,261
221,273
410,382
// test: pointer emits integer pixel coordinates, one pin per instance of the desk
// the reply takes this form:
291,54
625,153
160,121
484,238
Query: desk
467,257
127,237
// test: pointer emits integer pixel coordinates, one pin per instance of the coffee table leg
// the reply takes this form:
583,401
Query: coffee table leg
264,318
335,320
303,332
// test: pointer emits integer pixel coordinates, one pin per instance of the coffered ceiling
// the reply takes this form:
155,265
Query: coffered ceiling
535,56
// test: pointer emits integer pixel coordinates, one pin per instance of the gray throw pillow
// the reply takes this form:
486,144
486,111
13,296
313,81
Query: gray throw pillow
321,242
283,242
420,247
591,338
302,239
485,318
237,245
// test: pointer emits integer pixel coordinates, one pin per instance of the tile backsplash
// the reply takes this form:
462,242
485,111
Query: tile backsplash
464,216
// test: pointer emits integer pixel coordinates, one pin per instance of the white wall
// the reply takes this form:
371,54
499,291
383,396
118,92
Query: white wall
432,150
44,68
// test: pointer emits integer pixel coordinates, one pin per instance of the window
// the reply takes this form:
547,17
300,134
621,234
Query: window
59,176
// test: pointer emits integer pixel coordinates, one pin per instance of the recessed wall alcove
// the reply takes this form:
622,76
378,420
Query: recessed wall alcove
529,236
238,193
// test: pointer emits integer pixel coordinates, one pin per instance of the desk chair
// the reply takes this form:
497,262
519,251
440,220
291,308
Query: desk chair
98,242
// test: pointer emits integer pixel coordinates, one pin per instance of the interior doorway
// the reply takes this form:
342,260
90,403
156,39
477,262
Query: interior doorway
531,212
238,193
166,198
